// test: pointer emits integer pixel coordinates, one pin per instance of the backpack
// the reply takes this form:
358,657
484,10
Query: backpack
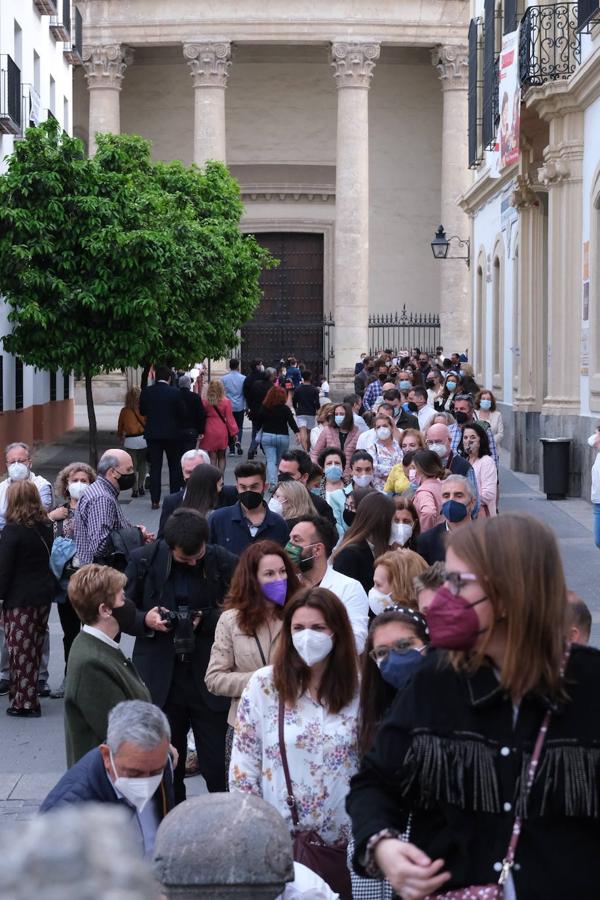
123,542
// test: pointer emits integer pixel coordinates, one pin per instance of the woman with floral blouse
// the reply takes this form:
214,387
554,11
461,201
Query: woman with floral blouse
315,674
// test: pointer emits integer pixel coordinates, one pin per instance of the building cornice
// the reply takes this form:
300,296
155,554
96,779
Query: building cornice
558,98
288,193
485,189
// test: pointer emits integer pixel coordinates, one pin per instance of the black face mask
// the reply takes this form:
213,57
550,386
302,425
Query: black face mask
250,499
461,417
305,563
284,476
348,516
383,378
126,481
124,616
412,407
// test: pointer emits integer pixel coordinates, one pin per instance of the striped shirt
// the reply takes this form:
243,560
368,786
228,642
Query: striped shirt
98,514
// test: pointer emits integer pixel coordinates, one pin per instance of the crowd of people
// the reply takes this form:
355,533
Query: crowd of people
351,632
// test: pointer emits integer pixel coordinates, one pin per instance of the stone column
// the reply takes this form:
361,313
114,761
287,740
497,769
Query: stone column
353,65
209,63
455,296
105,66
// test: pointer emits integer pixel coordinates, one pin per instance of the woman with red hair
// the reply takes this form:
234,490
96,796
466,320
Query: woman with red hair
264,579
275,417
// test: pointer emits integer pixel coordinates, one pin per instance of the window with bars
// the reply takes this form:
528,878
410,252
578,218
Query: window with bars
490,76
475,93
587,11
66,376
52,386
18,383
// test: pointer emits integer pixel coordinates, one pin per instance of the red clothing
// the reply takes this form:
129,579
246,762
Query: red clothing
216,432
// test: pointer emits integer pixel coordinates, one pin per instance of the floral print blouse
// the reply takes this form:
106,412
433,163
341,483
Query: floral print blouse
384,459
322,756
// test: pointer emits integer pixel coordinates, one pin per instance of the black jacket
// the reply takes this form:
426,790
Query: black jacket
227,497
194,416
87,782
164,410
448,753
431,544
407,420
25,576
255,390
356,561
276,419
149,584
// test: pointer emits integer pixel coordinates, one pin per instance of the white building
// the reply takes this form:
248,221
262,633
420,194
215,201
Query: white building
535,236
38,44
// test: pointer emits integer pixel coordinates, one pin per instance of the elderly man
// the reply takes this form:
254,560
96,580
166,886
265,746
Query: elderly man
458,504
18,465
189,461
132,768
98,512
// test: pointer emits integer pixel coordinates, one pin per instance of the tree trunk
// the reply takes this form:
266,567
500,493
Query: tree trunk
93,427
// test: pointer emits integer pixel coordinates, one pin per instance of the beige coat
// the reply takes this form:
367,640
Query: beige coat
235,656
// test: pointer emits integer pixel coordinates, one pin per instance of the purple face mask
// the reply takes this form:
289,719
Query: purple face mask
275,591
452,621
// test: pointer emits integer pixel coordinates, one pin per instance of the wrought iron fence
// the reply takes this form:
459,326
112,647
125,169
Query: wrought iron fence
10,96
549,43
403,331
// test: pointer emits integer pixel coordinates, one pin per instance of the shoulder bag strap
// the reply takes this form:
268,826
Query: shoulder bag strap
260,649
290,799
509,860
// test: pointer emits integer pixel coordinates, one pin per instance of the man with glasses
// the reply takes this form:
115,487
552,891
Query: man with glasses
458,503
312,541
98,512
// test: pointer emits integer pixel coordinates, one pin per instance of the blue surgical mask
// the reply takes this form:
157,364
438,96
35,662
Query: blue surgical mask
339,420
485,404
398,668
333,473
451,385
454,511
405,385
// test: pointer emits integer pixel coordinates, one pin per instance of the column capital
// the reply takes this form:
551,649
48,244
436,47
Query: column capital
209,62
353,63
452,63
105,65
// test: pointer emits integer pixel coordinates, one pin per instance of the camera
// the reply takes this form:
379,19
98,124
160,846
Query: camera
182,623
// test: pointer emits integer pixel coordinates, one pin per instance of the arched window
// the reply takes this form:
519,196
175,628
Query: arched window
498,317
480,317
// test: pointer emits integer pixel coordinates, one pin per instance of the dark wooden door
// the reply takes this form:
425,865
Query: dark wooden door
289,320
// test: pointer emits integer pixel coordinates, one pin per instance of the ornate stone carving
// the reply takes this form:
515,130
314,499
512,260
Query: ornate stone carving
209,63
523,194
105,65
452,63
553,171
353,64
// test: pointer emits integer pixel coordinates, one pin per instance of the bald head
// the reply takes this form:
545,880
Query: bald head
439,434
113,465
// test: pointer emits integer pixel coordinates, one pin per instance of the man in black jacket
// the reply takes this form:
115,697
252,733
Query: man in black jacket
255,390
165,411
190,459
187,577
194,417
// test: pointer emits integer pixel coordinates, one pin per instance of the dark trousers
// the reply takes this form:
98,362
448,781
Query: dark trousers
239,418
185,708
156,448
24,630
189,440
70,624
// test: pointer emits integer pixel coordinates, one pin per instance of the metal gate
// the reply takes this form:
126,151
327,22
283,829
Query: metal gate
403,331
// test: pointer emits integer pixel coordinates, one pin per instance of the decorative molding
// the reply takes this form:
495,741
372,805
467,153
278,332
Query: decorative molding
353,63
288,193
105,65
523,193
209,63
485,188
553,172
452,63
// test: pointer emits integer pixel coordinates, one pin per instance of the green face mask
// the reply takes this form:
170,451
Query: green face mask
294,552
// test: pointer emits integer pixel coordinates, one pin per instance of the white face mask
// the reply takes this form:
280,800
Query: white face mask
378,601
384,433
76,489
138,791
440,449
362,480
401,532
276,506
18,471
591,440
312,646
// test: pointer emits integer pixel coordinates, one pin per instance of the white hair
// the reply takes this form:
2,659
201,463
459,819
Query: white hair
17,445
462,480
137,722
195,454
107,461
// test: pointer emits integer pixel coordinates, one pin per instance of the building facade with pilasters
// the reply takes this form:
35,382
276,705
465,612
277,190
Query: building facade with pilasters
535,229
345,125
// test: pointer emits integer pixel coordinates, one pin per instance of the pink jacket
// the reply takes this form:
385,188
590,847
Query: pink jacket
330,437
428,502
216,432
486,474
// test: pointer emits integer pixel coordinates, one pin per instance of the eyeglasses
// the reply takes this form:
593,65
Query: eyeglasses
402,645
458,580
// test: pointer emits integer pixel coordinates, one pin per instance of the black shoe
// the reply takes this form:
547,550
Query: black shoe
134,494
59,693
24,713
238,447
232,452
156,506
43,690
4,687
141,492
251,455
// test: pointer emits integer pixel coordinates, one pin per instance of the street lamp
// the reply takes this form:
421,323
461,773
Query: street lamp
440,245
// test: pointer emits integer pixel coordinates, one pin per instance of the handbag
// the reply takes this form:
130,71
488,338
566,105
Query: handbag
224,421
496,891
327,860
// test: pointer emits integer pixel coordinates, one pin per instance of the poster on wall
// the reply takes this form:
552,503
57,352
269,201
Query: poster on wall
510,101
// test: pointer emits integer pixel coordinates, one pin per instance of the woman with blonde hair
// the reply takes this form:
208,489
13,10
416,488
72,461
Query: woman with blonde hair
130,429
491,748
393,580
324,414
291,500
220,424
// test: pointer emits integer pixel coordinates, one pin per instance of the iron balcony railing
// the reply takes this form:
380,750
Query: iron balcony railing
403,330
10,96
549,43
46,7
73,52
60,24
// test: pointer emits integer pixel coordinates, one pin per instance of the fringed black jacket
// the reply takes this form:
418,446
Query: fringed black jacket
449,754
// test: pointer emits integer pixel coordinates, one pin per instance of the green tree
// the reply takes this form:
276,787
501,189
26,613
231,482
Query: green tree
116,260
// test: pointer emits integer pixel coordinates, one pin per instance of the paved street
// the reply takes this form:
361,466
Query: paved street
32,751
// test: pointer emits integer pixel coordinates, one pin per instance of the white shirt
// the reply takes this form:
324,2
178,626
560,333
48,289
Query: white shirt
360,423
425,416
95,632
596,480
44,487
353,596
366,439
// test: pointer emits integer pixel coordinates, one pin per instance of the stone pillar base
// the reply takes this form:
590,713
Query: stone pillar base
341,383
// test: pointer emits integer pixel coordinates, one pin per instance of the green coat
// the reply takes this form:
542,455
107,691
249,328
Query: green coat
98,677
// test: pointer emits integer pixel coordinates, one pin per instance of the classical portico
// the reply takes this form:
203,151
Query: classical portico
339,126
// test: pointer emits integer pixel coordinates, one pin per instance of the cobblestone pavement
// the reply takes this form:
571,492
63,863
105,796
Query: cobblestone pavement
32,754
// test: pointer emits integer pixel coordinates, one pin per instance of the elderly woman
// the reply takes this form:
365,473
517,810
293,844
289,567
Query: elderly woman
71,483
99,675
